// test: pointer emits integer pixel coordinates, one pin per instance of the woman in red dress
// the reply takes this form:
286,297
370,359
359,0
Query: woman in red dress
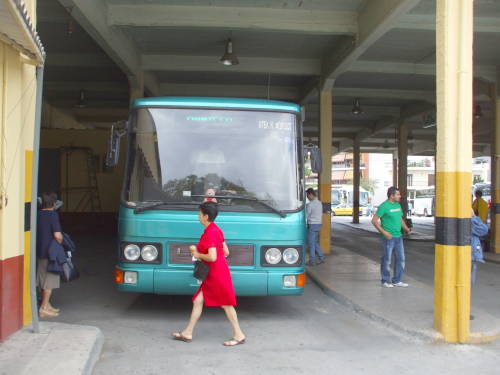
217,289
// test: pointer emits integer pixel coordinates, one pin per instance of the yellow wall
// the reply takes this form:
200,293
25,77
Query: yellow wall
17,123
109,183
17,113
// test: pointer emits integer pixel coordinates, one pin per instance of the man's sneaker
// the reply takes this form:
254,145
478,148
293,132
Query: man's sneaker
387,285
401,284
321,260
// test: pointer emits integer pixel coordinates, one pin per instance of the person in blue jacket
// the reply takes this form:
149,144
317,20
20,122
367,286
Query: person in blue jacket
478,230
48,230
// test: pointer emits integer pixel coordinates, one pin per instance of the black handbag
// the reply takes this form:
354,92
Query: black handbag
70,272
200,270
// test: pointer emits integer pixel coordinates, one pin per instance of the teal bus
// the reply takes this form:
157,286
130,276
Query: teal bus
245,154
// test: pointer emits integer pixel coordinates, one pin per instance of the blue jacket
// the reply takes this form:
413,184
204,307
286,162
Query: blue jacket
57,258
478,229
68,243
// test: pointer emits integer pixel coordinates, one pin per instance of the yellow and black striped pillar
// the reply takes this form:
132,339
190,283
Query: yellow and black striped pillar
495,209
325,177
454,36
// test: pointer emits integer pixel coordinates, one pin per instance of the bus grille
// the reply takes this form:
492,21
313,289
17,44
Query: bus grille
239,255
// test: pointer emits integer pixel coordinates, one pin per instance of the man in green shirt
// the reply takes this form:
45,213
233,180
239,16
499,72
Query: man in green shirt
389,221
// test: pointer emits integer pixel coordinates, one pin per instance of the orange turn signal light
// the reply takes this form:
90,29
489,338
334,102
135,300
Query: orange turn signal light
301,280
118,276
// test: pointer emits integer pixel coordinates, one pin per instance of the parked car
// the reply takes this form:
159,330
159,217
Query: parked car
344,210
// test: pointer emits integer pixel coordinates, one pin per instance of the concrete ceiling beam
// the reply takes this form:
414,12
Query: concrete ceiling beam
247,64
79,60
415,95
233,18
243,91
92,16
374,20
381,125
389,67
394,111
428,22
151,84
85,85
338,129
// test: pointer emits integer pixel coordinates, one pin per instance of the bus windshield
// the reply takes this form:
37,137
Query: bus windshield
178,155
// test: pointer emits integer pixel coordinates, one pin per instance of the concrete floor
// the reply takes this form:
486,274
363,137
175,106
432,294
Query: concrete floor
420,262
286,335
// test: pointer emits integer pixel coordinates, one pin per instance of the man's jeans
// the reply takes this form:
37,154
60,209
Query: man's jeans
393,245
313,239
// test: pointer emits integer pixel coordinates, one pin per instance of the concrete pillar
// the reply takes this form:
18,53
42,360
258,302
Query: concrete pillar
454,38
325,178
395,168
136,86
356,172
403,165
495,169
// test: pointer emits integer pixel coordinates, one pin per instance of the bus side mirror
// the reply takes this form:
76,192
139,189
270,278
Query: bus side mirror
315,155
118,130
316,166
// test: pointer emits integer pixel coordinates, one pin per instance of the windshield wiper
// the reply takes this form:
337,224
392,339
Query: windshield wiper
246,198
152,205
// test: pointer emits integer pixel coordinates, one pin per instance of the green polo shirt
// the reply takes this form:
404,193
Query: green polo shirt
390,215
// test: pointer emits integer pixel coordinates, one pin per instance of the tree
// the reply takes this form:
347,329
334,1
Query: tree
478,179
369,184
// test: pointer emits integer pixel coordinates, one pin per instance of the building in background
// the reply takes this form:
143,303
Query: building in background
342,168
421,174
481,170
421,171
380,171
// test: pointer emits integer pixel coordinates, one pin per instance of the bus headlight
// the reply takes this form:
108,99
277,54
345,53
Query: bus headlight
149,253
132,252
273,255
290,255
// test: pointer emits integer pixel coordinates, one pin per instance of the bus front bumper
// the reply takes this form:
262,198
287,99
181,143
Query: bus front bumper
182,282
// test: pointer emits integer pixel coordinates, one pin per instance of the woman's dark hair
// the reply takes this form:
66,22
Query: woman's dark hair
311,191
49,199
211,209
391,191
479,193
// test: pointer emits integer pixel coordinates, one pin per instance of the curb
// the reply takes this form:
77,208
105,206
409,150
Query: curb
491,260
426,239
94,355
428,336
74,349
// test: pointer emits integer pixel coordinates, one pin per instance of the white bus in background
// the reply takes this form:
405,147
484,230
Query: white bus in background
343,194
421,200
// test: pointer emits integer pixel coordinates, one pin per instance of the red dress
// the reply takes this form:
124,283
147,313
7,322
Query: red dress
218,287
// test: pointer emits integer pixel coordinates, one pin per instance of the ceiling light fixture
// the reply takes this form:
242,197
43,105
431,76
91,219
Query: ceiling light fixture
356,109
229,58
82,102
478,112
